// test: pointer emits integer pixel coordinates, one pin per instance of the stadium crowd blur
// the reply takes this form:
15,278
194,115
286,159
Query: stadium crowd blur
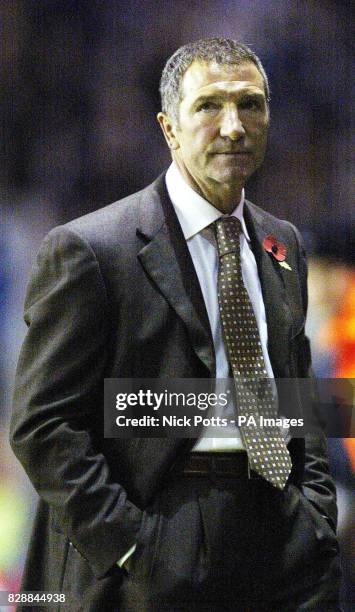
79,84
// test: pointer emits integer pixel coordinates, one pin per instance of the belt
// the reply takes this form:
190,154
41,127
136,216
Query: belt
230,465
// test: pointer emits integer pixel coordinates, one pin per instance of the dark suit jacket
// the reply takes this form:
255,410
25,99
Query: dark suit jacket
115,294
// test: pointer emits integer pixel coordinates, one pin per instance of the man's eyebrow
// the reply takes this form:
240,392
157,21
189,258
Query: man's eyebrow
217,96
252,94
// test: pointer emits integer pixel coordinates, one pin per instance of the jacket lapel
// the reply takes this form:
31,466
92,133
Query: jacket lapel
167,261
274,286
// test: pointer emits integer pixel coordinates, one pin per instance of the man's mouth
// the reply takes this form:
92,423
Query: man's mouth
232,153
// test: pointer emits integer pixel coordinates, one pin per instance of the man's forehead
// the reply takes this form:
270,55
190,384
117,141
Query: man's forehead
204,77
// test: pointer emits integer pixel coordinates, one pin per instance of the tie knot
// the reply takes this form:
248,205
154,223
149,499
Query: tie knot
228,230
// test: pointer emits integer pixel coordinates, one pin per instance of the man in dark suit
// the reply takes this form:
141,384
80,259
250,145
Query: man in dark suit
130,291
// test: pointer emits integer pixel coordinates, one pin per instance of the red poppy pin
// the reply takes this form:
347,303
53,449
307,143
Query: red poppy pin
277,249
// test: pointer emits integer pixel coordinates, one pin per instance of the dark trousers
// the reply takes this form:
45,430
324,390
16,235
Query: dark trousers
232,544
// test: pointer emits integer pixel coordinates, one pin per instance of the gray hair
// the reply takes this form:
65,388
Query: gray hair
221,50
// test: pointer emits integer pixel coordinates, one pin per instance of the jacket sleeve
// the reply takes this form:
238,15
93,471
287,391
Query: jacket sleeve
318,485
58,401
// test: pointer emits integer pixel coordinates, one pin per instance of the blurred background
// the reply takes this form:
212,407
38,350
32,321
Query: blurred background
79,95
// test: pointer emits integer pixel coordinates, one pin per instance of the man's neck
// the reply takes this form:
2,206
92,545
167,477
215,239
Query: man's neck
222,196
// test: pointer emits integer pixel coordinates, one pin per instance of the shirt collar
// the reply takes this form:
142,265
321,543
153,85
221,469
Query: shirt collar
193,211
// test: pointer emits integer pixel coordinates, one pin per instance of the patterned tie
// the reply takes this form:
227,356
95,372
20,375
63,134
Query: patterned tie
265,445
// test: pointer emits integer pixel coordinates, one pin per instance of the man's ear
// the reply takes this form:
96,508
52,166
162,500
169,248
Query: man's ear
168,130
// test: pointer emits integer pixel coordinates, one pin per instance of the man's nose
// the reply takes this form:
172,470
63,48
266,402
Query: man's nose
231,125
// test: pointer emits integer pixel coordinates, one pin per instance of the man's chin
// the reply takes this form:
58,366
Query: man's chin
232,178
233,171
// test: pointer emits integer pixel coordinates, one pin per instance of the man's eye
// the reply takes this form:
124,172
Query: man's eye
207,106
250,104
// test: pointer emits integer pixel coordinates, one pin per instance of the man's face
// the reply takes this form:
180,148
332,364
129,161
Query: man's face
223,121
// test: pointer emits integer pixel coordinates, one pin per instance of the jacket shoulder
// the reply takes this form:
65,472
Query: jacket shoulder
118,216
109,225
